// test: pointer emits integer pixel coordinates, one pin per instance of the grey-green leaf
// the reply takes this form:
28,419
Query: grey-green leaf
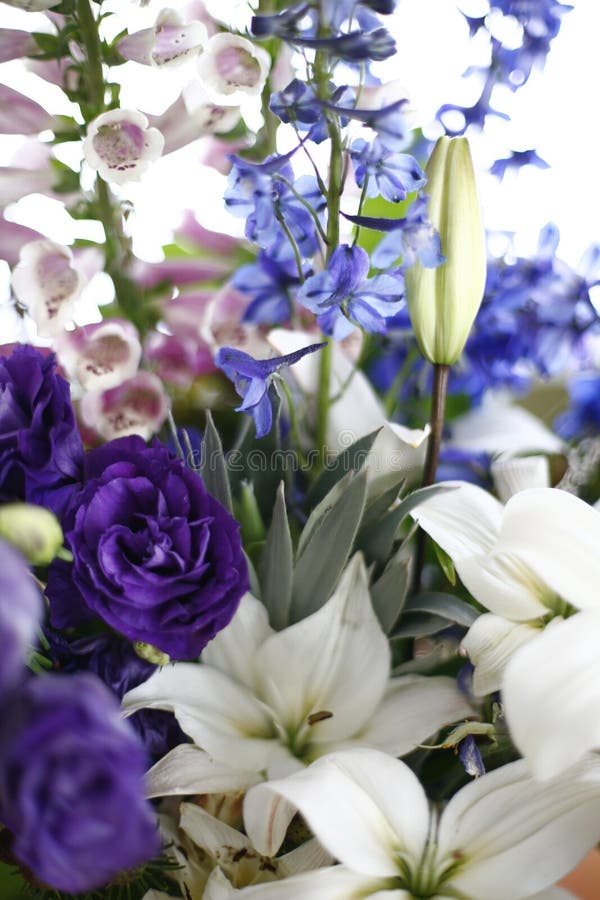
388,593
277,565
447,605
352,459
213,467
323,554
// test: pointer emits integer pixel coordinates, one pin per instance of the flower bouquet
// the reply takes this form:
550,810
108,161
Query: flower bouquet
299,557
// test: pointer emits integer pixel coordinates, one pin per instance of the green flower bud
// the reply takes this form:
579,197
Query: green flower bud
444,301
33,530
151,653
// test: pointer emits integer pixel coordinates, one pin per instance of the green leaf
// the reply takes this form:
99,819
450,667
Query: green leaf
248,514
446,563
277,565
388,593
377,506
213,467
377,542
352,459
447,605
326,543
416,624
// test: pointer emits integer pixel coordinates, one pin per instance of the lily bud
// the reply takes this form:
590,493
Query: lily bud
443,301
33,530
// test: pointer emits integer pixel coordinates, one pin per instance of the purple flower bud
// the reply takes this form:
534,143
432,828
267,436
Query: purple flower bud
155,556
71,784
20,115
20,613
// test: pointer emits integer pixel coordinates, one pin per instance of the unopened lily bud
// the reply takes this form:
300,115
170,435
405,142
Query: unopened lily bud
443,301
31,529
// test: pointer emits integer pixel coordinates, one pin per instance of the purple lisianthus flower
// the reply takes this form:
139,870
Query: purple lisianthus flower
156,557
252,379
71,784
40,448
20,613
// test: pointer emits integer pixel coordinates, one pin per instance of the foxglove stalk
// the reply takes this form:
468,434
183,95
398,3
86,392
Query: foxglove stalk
371,813
444,301
47,284
120,146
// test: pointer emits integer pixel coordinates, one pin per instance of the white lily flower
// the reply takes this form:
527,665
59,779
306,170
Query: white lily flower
169,42
499,426
232,68
503,835
514,474
273,702
101,355
120,145
525,561
46,283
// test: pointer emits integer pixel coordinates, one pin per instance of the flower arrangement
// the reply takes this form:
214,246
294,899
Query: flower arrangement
297,593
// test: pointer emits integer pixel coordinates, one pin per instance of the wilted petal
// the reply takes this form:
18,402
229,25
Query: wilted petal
490,643
188,770
551,694
136,406
362,805
335,661
413,709
517,835
234,648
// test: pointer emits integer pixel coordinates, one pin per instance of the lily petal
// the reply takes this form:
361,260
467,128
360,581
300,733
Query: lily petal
233,649
517,835
490,643
557,535
335,883
413,709
188,770
220,715
551,694
335,661
362,805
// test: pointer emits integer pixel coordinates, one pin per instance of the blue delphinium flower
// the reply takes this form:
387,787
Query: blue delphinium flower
342,291
582,418
388,174
516,160
268,283
252,379
413,239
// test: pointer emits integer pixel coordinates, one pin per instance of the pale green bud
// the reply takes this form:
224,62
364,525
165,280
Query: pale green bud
444,301
33,530
151,653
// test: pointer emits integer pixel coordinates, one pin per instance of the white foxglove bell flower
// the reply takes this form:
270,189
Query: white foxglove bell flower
525,562
47,284
120,145
232,68
136,406
272,702
101,355
503,835
169,43
183,122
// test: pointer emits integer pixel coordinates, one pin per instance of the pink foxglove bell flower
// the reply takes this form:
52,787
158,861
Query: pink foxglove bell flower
20,115
32,5
120,145
15,43
47,284
215,117
12,239
137,406
179,360
232,68
102,355
169,42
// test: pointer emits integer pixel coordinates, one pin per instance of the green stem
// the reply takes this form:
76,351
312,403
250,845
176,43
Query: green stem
436,422
94,75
